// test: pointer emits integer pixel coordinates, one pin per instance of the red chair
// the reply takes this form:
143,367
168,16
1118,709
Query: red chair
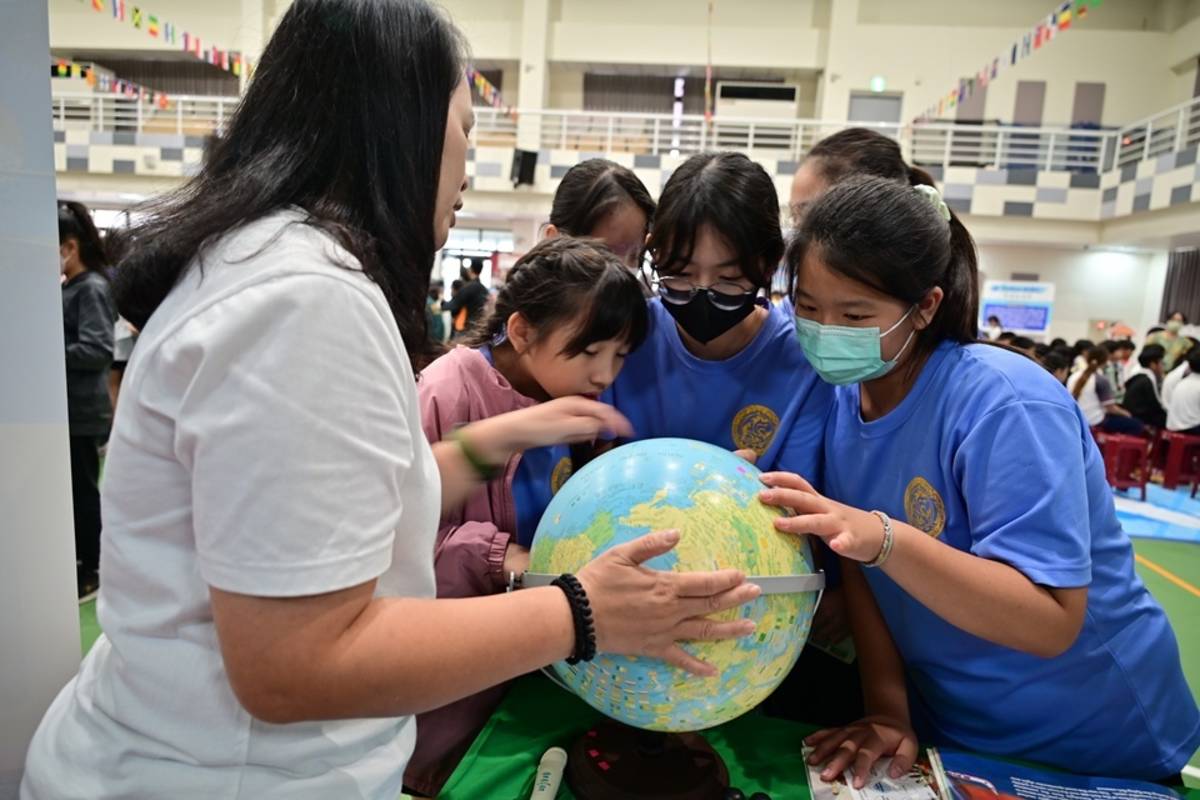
1126,461
1182,453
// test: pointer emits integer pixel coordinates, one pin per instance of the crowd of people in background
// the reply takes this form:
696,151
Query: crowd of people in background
1119,388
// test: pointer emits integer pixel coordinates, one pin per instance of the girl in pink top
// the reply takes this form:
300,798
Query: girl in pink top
568,315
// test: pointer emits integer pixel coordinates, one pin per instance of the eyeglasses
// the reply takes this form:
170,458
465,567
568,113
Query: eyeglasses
724,295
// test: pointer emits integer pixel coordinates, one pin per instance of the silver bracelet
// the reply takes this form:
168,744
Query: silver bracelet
889,539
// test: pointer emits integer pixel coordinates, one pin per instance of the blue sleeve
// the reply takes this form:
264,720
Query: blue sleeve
803,448
1021,473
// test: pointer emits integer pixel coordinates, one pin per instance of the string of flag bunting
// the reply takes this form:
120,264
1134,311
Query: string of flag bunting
488,91
100,82
165,31
1061,19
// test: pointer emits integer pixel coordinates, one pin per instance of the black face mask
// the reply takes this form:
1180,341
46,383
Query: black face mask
703,321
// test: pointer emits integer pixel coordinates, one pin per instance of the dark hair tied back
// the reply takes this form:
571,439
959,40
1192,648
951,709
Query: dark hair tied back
884,234
75,223
569,281
593,189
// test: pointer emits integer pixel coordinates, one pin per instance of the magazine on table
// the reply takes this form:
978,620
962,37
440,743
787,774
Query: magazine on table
919,783
942,774
972,777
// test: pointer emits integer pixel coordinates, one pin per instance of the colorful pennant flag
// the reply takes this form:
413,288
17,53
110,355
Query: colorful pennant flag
1064,16
1061,18
483,87
169,33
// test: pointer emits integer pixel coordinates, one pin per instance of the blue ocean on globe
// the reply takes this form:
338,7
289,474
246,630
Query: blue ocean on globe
711,497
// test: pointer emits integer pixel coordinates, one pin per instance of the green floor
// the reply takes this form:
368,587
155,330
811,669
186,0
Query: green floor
1183,607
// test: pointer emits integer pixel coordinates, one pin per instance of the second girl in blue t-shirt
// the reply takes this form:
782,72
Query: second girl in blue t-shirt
991,589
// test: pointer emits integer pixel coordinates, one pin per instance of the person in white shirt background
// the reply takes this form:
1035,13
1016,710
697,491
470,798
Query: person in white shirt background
994,328
1097,398
270,501
1183,409
1174,376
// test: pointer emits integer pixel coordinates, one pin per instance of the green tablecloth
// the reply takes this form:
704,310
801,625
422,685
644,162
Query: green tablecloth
762,754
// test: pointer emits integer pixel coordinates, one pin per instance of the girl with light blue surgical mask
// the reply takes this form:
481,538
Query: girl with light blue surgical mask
990,587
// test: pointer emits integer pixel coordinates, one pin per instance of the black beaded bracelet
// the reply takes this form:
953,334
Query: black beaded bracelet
581,613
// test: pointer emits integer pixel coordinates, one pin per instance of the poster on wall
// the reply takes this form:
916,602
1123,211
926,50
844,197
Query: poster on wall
1023,306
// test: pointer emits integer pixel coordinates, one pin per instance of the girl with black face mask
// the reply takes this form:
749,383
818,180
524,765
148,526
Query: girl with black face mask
720,363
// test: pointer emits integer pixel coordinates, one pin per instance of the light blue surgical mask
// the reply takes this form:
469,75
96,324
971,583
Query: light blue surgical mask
843,355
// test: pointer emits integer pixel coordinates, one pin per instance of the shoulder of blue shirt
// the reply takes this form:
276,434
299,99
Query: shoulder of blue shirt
989,376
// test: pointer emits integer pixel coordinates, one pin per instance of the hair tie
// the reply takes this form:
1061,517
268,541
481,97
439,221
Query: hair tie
931,194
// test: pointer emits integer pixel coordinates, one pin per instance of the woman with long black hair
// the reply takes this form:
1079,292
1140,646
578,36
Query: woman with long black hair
271,499
88,317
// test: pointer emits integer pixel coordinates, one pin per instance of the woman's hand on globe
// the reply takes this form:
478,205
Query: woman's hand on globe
644,612
849,532
860,744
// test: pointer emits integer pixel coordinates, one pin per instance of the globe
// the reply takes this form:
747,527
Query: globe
711,497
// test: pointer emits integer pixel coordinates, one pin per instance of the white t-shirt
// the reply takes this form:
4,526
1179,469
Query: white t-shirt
1172,380
269,443
1096,394
1183,411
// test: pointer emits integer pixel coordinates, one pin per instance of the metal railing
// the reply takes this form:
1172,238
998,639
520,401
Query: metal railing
946,144
927,144
1009,147
193,115
1168,131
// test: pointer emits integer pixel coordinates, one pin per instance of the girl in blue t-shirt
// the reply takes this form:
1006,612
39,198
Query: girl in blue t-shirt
720,363
992,591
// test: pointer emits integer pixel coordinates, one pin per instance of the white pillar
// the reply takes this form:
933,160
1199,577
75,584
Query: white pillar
535,40
833,93
40,625
253,35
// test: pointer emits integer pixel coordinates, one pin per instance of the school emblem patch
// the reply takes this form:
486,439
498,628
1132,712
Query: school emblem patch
924,508
754,427
562,471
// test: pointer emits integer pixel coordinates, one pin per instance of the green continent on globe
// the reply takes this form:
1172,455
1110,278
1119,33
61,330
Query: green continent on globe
575,550
711,498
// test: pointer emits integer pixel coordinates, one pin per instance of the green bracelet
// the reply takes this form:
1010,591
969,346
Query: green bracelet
484,470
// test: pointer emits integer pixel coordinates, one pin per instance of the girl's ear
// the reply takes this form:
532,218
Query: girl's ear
551,231
928,307
519,332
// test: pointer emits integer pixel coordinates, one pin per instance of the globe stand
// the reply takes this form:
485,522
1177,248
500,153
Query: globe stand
617,762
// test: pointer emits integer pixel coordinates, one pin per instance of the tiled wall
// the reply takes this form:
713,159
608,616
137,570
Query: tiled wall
1171,180
117,153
